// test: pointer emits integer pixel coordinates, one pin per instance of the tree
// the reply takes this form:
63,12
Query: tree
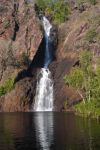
84,79
59,10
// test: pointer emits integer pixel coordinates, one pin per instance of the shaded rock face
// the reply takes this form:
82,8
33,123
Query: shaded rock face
62,93
20,36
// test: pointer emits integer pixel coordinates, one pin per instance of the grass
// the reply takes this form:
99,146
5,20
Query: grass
88,109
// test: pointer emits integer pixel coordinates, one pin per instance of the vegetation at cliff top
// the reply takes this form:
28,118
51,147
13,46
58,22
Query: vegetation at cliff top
7,86
91,35
87,83
81,2
58,10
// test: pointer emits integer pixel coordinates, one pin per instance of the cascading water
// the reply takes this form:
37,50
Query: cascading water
47,26
44,88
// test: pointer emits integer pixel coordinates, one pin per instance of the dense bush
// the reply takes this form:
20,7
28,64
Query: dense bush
75,79
7,86
6,24
58,10
93,2
80,3
87,83
91,35
88,109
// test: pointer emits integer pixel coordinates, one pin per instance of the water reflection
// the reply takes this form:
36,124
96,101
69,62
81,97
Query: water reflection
44,129
48,131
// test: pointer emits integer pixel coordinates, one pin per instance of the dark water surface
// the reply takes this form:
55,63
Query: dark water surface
48,131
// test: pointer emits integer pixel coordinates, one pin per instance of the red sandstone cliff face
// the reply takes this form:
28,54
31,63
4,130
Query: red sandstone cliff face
20,37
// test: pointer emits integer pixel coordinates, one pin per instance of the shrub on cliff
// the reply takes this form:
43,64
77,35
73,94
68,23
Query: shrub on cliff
81,4
42,4
6,24
91,35
93,2
58,10
7,86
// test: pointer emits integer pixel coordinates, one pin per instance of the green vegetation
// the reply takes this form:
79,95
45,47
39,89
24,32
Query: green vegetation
25,59
42,4
6,24
75,79
7,87
93,2
58,10
91,35
87,83
80,2
88,109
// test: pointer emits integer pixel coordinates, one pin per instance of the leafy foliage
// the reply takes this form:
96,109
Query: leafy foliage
85,61
42,4
79,3
91,35
75,78
59,10
84,79
88,109
93,2
8,86
6,23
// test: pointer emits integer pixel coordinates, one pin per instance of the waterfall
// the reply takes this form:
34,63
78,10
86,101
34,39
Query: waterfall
44,87
47,26
44,91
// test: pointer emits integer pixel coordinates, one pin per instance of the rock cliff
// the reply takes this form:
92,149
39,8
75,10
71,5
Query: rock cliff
80,32
20,37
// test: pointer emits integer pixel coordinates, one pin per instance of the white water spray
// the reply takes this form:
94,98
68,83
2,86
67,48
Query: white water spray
44,88
44,91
